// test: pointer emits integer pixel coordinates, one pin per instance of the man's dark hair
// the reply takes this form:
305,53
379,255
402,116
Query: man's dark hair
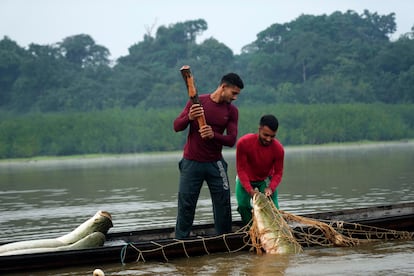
270,121
232,79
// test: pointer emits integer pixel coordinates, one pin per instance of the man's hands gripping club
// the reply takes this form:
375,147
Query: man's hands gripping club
196,111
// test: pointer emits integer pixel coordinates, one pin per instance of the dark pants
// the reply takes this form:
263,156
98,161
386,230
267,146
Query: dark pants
192,176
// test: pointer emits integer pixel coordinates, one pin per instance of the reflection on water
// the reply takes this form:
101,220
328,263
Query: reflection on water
50,198
348,177
381,258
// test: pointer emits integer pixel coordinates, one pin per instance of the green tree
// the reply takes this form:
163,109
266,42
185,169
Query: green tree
11,58
40,71
83,51
335,53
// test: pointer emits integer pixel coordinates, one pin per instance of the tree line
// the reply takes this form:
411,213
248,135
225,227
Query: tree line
337,58
133,130
328,78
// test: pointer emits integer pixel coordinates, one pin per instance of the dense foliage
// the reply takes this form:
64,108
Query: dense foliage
337,58
136,130
329,78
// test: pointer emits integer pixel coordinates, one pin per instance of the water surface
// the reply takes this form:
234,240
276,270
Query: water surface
48,198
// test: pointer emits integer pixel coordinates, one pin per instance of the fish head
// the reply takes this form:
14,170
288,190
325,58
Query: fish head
102,221
259,199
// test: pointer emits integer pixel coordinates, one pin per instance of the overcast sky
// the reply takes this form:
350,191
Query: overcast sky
118,24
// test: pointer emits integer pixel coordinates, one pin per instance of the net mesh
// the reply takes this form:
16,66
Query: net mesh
297,231
310,232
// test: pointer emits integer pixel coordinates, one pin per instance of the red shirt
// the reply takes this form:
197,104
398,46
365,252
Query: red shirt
220,116
256,162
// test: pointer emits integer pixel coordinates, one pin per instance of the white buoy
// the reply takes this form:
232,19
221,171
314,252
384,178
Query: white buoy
98,272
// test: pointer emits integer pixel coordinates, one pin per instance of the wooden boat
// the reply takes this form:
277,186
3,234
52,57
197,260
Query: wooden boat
159,244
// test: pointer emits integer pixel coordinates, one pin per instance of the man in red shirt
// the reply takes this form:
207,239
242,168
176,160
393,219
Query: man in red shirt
259,163
202,159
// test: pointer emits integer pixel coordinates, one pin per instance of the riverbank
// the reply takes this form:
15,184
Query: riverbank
91,160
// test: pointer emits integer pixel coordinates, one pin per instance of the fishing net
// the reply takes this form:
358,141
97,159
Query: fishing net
312,232
306,232
285,230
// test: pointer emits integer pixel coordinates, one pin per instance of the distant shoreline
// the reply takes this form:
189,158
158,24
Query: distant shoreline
154,157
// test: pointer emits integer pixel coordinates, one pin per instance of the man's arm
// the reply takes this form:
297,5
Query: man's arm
277,170
182,121
230,138
242,165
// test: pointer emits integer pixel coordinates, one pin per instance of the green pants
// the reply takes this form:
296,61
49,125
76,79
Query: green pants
243,199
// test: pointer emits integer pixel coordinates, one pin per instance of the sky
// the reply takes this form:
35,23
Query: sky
119,24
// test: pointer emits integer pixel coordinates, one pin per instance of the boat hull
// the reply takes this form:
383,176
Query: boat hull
159,244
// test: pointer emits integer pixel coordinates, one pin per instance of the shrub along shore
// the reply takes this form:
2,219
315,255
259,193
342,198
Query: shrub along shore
131,131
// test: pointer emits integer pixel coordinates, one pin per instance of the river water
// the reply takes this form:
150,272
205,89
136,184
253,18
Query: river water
49,198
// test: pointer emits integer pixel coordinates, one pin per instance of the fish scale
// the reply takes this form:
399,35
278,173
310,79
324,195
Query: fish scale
273,232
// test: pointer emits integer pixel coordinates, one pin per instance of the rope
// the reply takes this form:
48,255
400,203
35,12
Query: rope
307,232
185,250
204,244
225,242
160,247
123,253
124,250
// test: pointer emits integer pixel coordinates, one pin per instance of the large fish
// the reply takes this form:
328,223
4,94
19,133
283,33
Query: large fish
270,229
81,237
95,239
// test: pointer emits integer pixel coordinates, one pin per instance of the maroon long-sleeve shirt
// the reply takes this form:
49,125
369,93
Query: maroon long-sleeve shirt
256,162
221,117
